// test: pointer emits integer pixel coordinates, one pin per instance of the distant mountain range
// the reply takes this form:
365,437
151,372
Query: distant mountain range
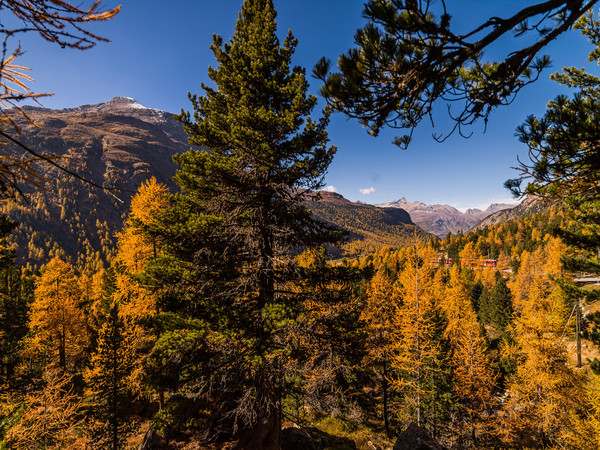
443,219
121,143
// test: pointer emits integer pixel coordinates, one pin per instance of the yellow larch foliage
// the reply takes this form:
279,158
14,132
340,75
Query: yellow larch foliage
544,392
555,248
470,255
90,285
382,301
502,262
439,287
415,352
56,316
585,433
51,416
134,249
113,366
530,268
150,198
487,276
473,377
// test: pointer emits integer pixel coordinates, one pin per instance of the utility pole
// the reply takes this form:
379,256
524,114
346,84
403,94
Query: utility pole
577,312
578,331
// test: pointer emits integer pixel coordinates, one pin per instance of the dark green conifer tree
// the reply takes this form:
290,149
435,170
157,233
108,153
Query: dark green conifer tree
16,296
476,292
495,306
408,58
484,304
229,293
501,308
107,380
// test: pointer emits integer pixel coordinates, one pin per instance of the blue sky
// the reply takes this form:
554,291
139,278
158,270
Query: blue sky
160,50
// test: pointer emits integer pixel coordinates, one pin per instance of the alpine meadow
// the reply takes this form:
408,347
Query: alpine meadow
249,274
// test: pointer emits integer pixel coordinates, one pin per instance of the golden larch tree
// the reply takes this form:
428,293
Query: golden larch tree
378,314
416,352
470,255
56,316
554,250
50,417
134,249
472,375
545,391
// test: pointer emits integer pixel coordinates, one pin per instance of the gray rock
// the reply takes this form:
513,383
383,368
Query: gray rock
416,438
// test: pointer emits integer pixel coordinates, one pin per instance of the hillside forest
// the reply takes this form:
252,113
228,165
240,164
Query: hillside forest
233,310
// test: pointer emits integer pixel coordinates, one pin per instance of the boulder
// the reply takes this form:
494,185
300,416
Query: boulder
293,438
416,438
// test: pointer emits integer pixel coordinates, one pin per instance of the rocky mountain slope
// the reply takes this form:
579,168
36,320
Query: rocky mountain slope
368,226
443,219
529,205
120,144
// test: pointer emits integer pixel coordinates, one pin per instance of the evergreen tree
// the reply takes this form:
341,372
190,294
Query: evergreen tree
476,293
227,240
500,308
111,365
16,296
565,159
409,56
484,305
328,341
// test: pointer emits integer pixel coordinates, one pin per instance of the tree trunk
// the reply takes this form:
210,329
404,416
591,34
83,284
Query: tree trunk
385,401
62,354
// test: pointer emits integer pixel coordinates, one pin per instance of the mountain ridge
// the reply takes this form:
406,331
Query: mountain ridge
117,144
528,206
440,219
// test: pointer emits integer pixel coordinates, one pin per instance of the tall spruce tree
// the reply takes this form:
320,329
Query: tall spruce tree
225,268
111,365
